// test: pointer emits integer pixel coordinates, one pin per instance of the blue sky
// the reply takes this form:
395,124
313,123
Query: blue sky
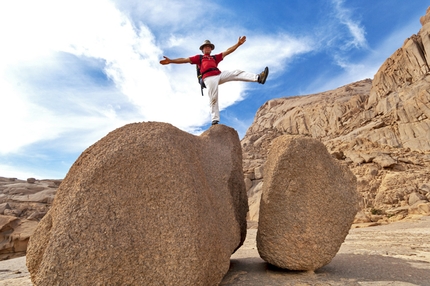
72,71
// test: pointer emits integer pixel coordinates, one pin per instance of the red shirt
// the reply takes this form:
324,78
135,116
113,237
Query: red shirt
207,62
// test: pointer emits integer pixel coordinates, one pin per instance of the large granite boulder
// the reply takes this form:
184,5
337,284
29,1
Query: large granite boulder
146,205
307,206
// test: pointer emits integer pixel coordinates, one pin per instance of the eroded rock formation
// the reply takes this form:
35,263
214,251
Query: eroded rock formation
379,128
22,205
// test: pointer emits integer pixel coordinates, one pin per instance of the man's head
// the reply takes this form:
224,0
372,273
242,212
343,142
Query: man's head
207,47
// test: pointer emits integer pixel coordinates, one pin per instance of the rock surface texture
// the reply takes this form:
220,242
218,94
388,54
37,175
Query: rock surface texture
146,205
308,204
22,206
379,128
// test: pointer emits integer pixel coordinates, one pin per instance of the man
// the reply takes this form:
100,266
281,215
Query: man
212,76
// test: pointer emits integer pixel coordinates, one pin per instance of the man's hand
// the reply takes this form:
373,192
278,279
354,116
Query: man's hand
239,43
166,61
241,40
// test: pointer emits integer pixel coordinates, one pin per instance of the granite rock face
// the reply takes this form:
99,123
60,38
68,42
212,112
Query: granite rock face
148,204
307,207
22,206
14,236
379,128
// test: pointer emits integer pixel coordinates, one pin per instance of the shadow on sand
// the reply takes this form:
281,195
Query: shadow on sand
344,269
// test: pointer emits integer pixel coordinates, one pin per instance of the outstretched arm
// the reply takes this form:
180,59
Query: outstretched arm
233,48
167,61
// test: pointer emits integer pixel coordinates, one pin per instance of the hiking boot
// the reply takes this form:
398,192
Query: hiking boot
263,75
215,122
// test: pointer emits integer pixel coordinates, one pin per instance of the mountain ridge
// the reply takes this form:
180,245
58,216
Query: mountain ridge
379,128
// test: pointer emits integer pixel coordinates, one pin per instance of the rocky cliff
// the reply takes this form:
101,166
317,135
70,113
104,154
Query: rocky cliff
22,205
380,128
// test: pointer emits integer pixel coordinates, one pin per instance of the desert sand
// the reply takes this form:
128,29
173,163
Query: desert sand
386,255
396,254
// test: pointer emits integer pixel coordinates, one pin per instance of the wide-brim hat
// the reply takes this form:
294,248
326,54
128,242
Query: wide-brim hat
207,43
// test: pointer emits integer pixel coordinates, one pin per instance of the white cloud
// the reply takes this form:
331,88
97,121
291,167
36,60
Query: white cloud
51,37
20,120
86,29
8,171
173,15
368,66
354,27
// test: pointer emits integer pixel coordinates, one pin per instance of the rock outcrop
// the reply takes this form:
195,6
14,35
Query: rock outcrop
14,236
147,204
22,205
379,128
308,204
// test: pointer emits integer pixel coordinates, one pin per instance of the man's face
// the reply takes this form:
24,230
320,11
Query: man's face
207,49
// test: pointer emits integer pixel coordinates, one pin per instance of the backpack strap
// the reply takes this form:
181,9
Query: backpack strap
200,74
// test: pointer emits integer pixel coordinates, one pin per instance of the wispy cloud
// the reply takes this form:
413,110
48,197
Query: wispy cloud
343,36
367,66
37,99
354,26
99,68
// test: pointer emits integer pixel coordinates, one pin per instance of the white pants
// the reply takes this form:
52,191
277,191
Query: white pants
212,83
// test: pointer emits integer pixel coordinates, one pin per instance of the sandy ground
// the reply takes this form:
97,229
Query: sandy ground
14,272
397,254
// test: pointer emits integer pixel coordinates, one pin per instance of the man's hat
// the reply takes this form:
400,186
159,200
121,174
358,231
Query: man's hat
207,43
